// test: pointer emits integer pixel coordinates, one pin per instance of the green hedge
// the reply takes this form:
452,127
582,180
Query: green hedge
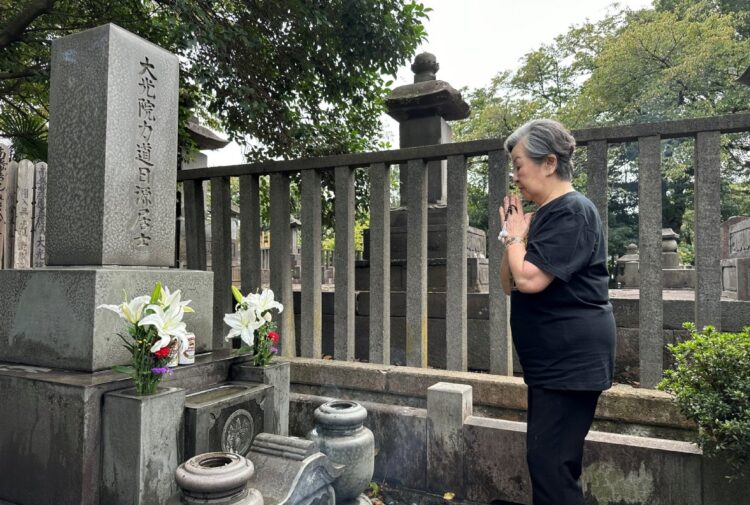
711,385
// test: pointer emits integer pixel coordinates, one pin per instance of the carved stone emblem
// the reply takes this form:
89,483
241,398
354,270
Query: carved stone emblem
238,431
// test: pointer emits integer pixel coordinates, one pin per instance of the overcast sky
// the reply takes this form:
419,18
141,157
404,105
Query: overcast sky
475,39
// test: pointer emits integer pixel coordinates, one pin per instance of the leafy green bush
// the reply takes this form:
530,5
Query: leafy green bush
711,384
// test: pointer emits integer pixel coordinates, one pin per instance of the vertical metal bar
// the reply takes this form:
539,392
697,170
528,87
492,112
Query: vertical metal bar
221,255
195,224
597,181
343,328
456,314
651,311
416,265
501,346
707,229
250,233
312,314
380,264
281,260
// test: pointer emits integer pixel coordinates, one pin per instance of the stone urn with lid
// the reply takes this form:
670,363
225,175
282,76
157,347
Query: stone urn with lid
342,436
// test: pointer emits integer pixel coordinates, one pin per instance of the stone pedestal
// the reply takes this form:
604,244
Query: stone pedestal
50,316
448,406
275,374
140,443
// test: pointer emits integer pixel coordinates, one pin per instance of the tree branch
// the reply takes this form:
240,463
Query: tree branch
13,31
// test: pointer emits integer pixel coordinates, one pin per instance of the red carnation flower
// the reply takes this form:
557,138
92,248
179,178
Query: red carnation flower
273,336
162,353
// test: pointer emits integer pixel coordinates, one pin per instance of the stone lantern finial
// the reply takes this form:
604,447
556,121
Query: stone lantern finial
425,67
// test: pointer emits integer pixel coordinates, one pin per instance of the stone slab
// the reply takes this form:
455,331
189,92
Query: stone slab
49,316
735,279
739,239
140,446
112,150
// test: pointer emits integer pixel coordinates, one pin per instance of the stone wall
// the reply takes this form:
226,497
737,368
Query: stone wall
488,455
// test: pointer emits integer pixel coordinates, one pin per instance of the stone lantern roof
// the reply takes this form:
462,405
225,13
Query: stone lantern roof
427,96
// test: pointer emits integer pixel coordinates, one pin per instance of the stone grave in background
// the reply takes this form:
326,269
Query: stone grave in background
735,268
23,188
71,432
676,275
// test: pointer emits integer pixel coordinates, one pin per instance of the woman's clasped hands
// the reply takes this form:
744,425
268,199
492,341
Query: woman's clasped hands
515,224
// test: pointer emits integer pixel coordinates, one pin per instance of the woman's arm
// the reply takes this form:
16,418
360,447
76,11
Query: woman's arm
528,277
505,280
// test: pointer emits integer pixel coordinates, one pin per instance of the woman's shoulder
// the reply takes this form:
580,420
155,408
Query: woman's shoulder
572,205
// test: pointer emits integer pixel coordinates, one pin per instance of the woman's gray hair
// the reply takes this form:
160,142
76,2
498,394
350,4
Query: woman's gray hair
542,137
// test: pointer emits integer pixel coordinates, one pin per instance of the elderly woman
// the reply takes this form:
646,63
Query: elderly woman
555,270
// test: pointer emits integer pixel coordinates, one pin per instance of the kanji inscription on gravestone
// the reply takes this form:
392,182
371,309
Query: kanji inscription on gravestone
4,163
24,215
40,215
739,240
8,170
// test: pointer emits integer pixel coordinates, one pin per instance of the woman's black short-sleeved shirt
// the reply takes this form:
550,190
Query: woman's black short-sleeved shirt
565,334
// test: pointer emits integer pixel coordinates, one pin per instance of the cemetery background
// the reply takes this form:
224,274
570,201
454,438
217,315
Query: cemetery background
323,381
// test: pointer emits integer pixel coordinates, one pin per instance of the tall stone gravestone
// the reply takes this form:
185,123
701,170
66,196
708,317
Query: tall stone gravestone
4,165
110,206
113,149
8,170
24,215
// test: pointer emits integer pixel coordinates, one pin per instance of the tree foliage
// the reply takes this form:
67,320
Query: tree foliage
678,60
295,78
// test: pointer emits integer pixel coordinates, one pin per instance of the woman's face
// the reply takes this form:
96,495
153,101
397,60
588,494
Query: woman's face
531,177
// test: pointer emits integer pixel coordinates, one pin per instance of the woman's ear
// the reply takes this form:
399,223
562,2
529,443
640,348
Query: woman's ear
550,164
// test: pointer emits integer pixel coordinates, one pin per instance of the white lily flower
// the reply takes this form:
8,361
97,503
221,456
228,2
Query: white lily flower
167,299
129,311
168,324
262,302
243,324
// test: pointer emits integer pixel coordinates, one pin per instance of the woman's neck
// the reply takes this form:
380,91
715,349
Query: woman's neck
557,190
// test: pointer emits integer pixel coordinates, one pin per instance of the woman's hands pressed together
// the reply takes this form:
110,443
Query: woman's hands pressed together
515,222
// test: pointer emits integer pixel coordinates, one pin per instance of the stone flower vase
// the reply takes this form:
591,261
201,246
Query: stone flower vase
341,436
140,445
215,477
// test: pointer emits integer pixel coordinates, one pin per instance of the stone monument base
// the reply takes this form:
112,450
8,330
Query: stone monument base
50,316
735,278
437,235
477,275
54,435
